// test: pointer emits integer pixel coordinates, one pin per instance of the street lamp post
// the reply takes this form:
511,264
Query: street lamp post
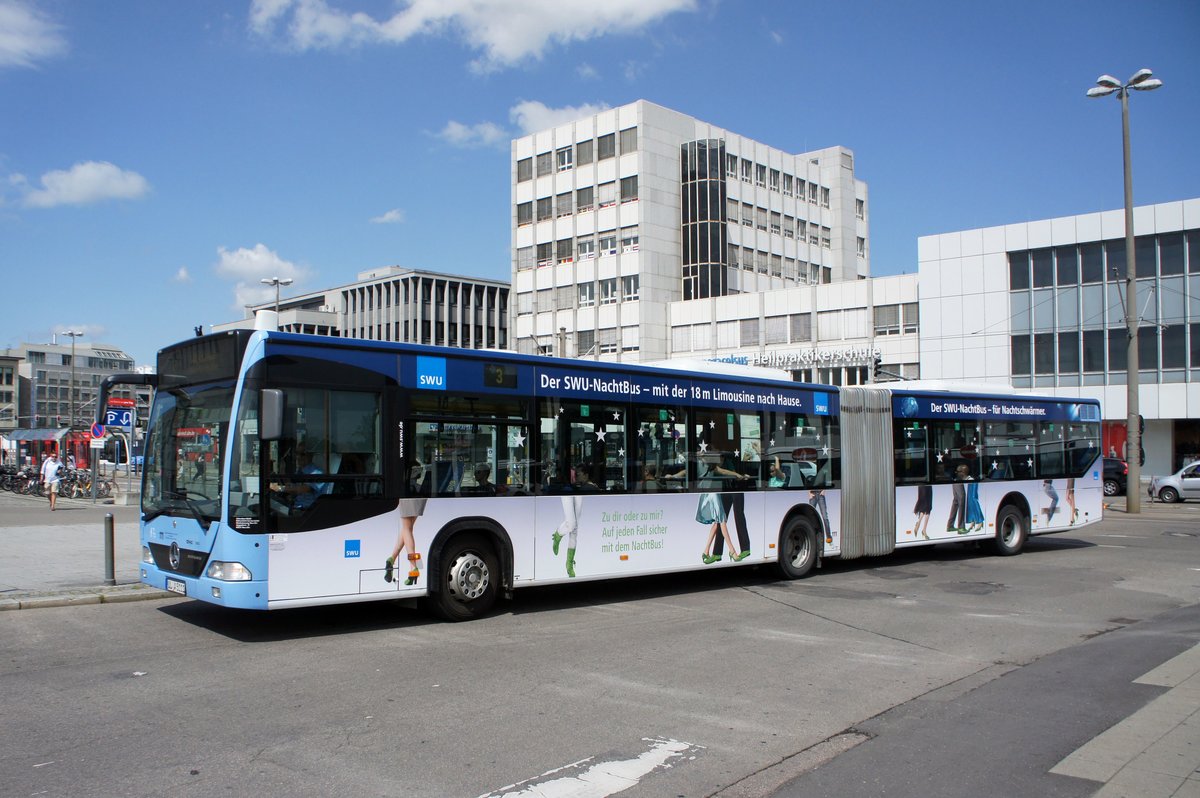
71,391
1142,80
276,281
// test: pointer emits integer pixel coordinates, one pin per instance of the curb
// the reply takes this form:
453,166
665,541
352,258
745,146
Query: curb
118,594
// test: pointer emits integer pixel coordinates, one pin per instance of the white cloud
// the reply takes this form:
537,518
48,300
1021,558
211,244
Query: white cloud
776,36
27,36
587,72
83,184
505,31
246,267
483,134
531,116
183,275
394,216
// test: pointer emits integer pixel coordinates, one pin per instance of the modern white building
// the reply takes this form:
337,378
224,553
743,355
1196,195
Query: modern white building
618,216
394,303
1041,305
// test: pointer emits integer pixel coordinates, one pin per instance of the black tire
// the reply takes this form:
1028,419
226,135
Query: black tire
797,548
469,574
1168,495
1012,530
1111,488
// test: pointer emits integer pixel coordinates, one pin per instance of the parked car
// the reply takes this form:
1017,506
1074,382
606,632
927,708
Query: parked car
1116,473
1183,484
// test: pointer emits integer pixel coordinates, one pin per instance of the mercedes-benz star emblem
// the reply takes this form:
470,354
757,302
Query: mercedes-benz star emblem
174,556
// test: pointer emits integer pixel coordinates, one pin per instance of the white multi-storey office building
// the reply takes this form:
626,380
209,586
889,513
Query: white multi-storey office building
620,214
1041,305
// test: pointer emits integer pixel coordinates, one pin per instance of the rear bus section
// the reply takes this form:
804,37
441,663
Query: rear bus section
965,467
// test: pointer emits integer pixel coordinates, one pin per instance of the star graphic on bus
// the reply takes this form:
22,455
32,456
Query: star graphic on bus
712,424
771,442
703,447
599,435
1029,462
825,450
641,432
519,439
616,416
939,457
620,452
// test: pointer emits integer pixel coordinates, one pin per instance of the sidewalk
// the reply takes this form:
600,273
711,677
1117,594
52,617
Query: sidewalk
55,559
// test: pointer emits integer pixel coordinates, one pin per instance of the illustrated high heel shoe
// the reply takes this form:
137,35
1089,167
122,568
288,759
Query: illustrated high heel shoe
390,569
708,559
555,539
414,571
741,555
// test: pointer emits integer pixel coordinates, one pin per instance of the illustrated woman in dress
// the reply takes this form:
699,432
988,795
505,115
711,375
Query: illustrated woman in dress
410,510
711,511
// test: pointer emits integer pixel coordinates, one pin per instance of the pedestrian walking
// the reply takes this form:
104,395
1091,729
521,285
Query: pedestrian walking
50,477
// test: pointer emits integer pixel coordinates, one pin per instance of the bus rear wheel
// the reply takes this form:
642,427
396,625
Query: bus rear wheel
1012,529
469,575
797,548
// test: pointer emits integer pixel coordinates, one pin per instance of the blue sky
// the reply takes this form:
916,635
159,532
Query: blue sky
158,158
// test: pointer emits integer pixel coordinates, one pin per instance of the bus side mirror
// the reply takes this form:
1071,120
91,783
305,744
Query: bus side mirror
271,415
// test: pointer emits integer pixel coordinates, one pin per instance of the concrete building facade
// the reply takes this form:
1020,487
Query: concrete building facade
393,303
1041,306
618,215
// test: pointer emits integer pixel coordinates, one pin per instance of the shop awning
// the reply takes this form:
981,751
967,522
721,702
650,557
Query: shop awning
55,435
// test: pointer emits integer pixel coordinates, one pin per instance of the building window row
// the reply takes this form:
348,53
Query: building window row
752,260
894,319
1163,255
1101,354
581,154
584,199
610,290
774,180
585,247
784,225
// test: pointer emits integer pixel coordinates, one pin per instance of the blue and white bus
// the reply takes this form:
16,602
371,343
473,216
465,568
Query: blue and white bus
286,470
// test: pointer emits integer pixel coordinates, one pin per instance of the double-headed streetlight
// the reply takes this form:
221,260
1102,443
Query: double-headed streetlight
1142,80
71,391
276,281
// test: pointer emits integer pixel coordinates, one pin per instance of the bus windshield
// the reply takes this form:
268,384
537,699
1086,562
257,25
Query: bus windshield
187,430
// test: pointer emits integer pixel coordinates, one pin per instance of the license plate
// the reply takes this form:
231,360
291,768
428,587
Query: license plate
177,586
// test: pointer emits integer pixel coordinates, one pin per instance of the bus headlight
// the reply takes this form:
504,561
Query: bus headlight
146,556
229,571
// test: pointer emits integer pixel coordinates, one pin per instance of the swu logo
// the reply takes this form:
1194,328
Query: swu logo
353,548
431,373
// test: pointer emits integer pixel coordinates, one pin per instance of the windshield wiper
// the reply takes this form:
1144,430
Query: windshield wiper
194,508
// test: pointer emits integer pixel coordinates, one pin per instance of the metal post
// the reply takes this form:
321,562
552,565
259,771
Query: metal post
110,577
1133,433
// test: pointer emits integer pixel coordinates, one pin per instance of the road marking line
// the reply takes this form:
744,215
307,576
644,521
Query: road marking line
601,779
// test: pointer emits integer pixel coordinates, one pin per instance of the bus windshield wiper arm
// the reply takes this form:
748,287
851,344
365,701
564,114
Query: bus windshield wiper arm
193,508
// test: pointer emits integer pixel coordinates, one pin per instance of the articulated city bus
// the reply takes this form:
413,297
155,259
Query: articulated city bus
342,471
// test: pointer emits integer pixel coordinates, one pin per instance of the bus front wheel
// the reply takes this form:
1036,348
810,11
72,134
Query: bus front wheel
797,548
1012,529
469,573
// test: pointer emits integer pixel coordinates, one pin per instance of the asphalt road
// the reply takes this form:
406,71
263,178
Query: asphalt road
899,675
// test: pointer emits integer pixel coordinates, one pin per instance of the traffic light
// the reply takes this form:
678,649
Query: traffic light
1141,455
1141,425
876,368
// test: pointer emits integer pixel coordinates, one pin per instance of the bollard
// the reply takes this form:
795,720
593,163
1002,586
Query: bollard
110,577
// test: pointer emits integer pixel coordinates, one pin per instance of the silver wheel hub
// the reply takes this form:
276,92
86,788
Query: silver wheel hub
799,547
469,577
1010,530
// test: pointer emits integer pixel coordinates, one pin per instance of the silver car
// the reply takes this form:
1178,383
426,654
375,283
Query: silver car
1183,484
